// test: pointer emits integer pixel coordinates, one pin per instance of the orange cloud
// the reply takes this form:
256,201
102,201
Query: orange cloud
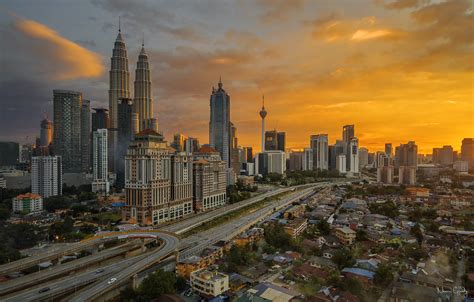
362,35
73,60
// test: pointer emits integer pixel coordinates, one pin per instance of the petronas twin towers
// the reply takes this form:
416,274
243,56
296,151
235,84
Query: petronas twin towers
120,86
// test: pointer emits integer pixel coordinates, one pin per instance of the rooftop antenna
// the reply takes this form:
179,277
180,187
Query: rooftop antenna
119,25
143,39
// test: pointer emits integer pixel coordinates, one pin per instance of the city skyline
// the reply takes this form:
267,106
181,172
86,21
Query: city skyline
354,78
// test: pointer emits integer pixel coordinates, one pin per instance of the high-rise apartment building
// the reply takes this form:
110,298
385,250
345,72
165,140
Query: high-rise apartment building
384,168
307,159
341,163
100,182
363,157
272,161
86,135
467,151
46,176
143,98
354,156
219,123
406,155
67,134
446,156
158,182
209,179
319,144
296,161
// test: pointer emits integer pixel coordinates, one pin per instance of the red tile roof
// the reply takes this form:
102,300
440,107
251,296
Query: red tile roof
147,131
207,149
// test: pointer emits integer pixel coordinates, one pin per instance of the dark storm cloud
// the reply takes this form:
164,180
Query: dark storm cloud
142,15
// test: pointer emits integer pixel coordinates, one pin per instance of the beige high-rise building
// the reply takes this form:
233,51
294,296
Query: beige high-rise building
209,177
158,182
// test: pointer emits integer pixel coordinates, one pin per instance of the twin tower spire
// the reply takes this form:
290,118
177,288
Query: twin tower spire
119,85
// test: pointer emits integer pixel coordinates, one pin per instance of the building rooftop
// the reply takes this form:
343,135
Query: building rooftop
28,196
207,149
210,275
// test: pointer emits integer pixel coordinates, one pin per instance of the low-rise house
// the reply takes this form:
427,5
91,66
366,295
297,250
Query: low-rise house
306,271
273,292
249,237
238,282
209,283
409,292
322,262
362,274
333,295
296,227
368,264
294,211
29,203
346,235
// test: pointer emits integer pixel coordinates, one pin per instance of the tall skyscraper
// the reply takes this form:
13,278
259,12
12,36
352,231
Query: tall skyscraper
446,157
159,188
86,135
348,133
125,133
354,156
178,142
363,157
46,176
234,150
319,144
263,115
67,129
46,132
467,151
191,145
219,124
281,141
100,182
100,119
143,98
389,150
119,87
271,140
406,155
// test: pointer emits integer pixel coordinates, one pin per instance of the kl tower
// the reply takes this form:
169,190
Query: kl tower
263,114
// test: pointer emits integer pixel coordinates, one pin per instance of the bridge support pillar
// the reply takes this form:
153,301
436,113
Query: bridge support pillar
143,248
135,282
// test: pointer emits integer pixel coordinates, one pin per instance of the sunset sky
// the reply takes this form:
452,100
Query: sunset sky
399,70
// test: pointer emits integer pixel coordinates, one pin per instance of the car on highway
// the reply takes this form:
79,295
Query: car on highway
100,270
43,290
112,280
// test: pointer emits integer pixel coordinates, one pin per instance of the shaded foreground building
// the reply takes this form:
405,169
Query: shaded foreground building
158,182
